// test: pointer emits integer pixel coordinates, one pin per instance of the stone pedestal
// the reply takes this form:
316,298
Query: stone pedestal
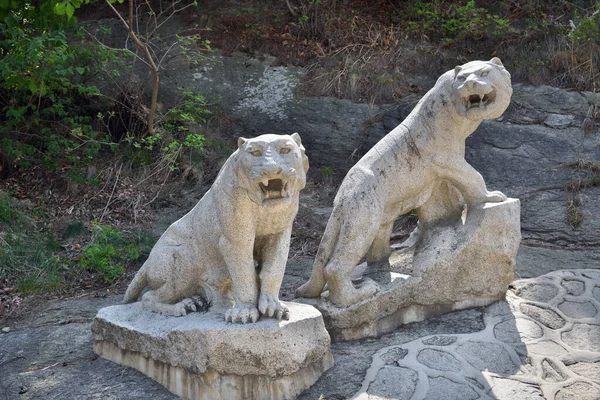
453,267
200,356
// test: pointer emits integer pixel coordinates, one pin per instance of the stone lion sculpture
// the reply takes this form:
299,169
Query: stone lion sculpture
418,165
233,244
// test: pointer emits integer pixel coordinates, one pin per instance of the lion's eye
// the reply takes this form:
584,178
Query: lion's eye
461,77
284,150
256,153
484,73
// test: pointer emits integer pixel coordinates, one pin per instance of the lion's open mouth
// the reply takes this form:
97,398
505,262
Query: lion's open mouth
479,101
273,189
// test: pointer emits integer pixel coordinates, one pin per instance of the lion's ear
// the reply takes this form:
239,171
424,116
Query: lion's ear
497,61
296,137
457,70
298,141
241,141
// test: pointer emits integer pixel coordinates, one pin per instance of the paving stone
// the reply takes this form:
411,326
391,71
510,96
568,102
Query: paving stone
487,356
587,369
439,360
573,287
596,293
394,383
537,292
545,316
578,391
506,389
546,348
574,309
551,373
583,337
594,275
515,330
392,356
444,389
499,309
440,340
475,382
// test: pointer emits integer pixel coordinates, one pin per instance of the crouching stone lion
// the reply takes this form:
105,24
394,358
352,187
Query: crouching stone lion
418,165
235,241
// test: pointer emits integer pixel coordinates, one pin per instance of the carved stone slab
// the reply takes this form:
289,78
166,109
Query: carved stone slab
466,264
200,356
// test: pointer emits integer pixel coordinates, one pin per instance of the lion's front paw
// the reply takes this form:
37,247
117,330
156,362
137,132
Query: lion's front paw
242,313
272,307
495,197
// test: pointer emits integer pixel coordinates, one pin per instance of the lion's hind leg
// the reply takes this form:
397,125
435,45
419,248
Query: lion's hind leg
380,249
173,276
154,301
353,243
316,283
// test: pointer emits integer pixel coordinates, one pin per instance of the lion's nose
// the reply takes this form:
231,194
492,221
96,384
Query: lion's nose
271,171
471,82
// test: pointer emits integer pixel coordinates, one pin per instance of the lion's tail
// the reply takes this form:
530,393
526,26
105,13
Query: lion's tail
316,283
139,282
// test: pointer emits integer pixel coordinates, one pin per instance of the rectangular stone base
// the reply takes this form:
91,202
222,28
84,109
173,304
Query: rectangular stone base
211,385
200,356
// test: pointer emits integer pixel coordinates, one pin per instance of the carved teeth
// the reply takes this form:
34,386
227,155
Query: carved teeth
477,101
273,188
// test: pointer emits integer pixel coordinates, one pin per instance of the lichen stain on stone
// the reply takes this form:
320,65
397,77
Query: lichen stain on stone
271,94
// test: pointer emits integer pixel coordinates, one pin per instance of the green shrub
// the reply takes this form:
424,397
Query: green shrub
111,251
44,93
180,132
455,20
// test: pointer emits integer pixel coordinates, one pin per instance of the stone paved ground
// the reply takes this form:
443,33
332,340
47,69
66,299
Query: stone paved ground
543,342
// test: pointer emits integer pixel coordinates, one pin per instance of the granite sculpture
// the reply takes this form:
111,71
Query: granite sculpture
242,225
229,252
420,165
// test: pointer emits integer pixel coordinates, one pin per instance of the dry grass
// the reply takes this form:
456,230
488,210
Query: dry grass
375,51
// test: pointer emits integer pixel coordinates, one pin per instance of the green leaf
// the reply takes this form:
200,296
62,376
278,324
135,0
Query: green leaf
70,10
81,70
59,8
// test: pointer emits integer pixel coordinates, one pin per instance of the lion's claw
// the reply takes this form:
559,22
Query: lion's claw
270,306
242,313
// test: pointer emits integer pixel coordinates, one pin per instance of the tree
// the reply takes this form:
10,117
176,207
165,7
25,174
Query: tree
144,43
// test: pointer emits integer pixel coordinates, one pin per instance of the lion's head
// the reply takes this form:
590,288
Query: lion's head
483,89
271,167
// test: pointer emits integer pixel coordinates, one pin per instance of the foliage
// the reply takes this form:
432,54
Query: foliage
454,20
47,105
586,28
110,250
41,15
180,132
44,93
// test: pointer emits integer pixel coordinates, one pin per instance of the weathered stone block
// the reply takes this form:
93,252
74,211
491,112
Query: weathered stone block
200,356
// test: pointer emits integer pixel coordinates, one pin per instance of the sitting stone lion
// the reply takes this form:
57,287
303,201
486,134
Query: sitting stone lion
245,217
418,165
